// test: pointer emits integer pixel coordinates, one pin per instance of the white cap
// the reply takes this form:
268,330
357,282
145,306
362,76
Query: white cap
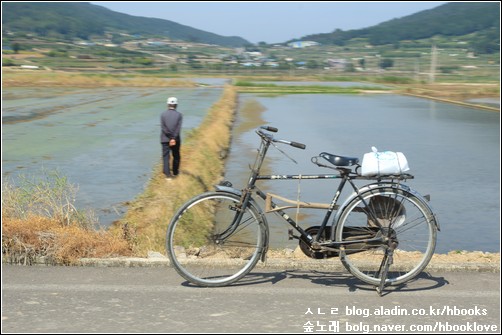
172,101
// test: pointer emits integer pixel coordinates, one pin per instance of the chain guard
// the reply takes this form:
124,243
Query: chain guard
317,254
349,234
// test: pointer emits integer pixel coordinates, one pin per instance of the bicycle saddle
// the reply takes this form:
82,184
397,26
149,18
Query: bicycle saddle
339,160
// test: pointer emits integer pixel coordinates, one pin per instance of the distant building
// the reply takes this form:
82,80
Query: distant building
338,64
156,43
85,43
251,64
271,64
302,44
254,54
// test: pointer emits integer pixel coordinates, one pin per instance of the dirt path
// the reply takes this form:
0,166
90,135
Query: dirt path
450,258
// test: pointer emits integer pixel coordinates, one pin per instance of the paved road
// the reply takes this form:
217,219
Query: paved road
47,299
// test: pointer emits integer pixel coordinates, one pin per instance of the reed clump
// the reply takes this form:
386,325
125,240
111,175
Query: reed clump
202,165
38,239
40,223
51,195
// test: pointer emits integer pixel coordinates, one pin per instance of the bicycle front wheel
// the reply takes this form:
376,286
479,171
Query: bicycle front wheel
396,214
206,244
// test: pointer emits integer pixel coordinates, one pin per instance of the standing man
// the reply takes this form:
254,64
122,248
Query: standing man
170,124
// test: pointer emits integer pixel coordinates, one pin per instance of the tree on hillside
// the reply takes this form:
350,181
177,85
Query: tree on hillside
312,64
386,63
488,42
16,47
362,63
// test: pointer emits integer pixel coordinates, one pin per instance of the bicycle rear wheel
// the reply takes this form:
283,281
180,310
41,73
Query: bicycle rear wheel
396,214
205,244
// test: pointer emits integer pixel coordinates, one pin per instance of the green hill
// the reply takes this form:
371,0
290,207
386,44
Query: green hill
479,19
69,20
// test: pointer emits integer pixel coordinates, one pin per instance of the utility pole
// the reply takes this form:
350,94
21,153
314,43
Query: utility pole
433,64
417,70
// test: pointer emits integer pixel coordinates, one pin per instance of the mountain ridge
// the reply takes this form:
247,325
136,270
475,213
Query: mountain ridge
451,19
83,20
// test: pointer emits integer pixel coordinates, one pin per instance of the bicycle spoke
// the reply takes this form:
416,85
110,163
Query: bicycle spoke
402,219
221,252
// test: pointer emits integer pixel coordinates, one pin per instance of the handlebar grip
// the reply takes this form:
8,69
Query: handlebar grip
298,145
272,129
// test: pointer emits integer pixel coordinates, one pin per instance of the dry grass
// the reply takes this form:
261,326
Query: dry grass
456,91
51,196
202,165
39,219
26,240
62,79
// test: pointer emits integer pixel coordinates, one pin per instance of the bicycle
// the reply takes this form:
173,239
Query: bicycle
384,233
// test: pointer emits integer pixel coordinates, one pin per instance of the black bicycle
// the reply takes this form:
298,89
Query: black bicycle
384,232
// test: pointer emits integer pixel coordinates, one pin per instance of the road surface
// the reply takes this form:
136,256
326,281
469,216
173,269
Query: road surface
90,299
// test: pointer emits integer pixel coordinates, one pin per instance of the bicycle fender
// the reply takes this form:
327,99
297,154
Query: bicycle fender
228,189
422,199
371,187
263,218
426,204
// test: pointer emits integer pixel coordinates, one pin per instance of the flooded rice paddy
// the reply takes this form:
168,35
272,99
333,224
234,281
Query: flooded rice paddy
107,142
453,152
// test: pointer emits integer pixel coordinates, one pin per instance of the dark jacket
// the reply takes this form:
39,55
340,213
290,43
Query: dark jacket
170,124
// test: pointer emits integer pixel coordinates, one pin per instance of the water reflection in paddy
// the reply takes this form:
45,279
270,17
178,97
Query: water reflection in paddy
453,152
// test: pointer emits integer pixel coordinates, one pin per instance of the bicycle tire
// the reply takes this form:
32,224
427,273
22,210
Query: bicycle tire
409,218
204,248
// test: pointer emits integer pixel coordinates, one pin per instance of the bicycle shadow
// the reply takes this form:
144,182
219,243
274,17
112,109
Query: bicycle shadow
423,282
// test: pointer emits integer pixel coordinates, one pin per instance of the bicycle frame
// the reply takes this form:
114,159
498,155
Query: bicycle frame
345,174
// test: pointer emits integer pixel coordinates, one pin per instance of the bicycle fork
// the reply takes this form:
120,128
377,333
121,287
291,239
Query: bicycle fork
246,193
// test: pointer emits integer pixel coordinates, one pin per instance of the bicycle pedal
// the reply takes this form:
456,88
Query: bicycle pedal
291,236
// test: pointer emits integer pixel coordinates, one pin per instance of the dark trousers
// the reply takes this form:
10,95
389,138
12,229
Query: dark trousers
166,153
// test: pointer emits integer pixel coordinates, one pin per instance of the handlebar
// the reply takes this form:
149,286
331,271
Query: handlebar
298,145
272,129
270,138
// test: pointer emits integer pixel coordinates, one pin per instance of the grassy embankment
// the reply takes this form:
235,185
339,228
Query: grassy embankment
456,93
266,88
203,153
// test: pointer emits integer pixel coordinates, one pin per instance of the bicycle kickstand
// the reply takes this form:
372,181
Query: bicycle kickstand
386,263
